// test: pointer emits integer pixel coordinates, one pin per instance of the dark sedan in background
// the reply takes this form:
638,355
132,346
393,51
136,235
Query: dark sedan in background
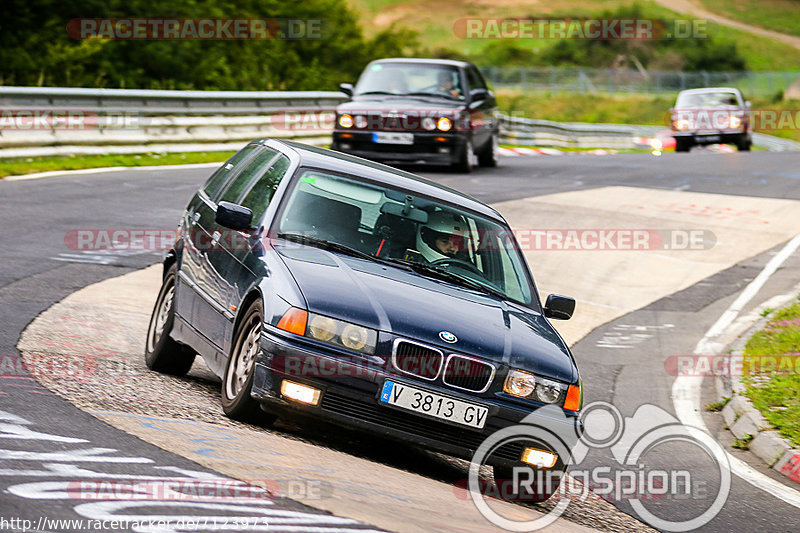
419,110
713,115
317,284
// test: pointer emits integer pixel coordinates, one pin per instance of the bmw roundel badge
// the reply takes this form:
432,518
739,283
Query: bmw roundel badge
446,336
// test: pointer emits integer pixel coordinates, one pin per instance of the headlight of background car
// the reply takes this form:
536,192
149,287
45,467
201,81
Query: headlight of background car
429,123
329,330
346,121
526,385
361,121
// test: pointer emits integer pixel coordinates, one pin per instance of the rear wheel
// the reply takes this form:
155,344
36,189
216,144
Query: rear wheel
162,353
488,155
237,382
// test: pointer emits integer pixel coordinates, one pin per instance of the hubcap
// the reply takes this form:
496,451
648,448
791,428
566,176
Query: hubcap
244,360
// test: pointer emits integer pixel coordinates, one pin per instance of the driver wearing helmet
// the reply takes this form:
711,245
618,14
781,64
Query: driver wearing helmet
442,237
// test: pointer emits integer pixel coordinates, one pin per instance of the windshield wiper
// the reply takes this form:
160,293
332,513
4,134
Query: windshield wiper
376,92
438,95
446,275
333,247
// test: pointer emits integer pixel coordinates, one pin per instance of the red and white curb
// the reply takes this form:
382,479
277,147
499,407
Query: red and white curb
549,151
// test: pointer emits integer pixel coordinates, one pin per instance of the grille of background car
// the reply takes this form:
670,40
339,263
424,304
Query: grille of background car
417,360
468,373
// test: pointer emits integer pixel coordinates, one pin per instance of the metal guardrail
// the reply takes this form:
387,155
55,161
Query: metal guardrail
136,121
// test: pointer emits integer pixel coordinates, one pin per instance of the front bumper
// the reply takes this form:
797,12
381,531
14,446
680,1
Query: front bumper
710,137
429,147
351,398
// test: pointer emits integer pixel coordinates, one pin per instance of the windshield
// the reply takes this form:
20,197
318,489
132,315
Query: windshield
410,79
391,226
702,100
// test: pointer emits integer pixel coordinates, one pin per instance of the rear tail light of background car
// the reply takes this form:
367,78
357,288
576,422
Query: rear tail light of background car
329,330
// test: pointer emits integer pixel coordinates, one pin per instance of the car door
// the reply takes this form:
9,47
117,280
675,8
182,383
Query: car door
192,275
483,111
260,179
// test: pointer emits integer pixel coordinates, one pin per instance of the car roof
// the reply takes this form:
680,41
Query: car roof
710,90
312,156
423,61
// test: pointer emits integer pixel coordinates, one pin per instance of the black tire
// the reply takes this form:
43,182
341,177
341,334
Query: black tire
682,145
161,352
488,155
237,383
504,476
744,144
464,164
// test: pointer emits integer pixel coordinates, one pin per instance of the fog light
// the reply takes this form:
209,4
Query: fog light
539,458
444,150
345,146
300,393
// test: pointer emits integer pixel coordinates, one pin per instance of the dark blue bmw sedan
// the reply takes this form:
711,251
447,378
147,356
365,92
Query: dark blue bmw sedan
318,284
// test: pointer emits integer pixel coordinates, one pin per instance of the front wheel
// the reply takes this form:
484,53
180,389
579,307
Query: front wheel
488,155
466,159
682,145
238,380
744,144
162,353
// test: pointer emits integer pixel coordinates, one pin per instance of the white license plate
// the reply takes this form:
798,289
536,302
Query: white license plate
384,137
711,137
432,404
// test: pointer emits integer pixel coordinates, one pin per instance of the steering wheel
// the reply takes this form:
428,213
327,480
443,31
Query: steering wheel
457,262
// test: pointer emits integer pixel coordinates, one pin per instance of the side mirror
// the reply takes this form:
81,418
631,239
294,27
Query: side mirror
234,216
747,105
559,307
478,94
346,88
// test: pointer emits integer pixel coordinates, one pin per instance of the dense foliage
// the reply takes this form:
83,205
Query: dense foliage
36,50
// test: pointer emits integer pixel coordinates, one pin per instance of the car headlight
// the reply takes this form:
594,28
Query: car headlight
519,383
734,122
361,121
346,121
429,123
330,330
444,124
525,385
681,124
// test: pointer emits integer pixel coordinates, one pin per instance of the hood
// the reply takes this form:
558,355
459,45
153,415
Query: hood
410,305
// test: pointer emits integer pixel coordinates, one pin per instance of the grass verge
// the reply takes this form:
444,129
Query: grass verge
771,368
30,165
775,15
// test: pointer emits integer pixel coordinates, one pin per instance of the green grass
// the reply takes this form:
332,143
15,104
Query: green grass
777,15
772,371
435,26
30,165
716,407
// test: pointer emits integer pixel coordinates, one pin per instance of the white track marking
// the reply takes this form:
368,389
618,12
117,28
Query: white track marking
70,173
686,389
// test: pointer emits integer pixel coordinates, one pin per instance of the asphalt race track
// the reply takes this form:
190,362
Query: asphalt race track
622,361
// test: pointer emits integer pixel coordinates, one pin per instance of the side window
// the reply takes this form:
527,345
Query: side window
475,79
259,196
218,178
241,182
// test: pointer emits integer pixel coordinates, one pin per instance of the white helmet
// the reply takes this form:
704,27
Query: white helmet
440,225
